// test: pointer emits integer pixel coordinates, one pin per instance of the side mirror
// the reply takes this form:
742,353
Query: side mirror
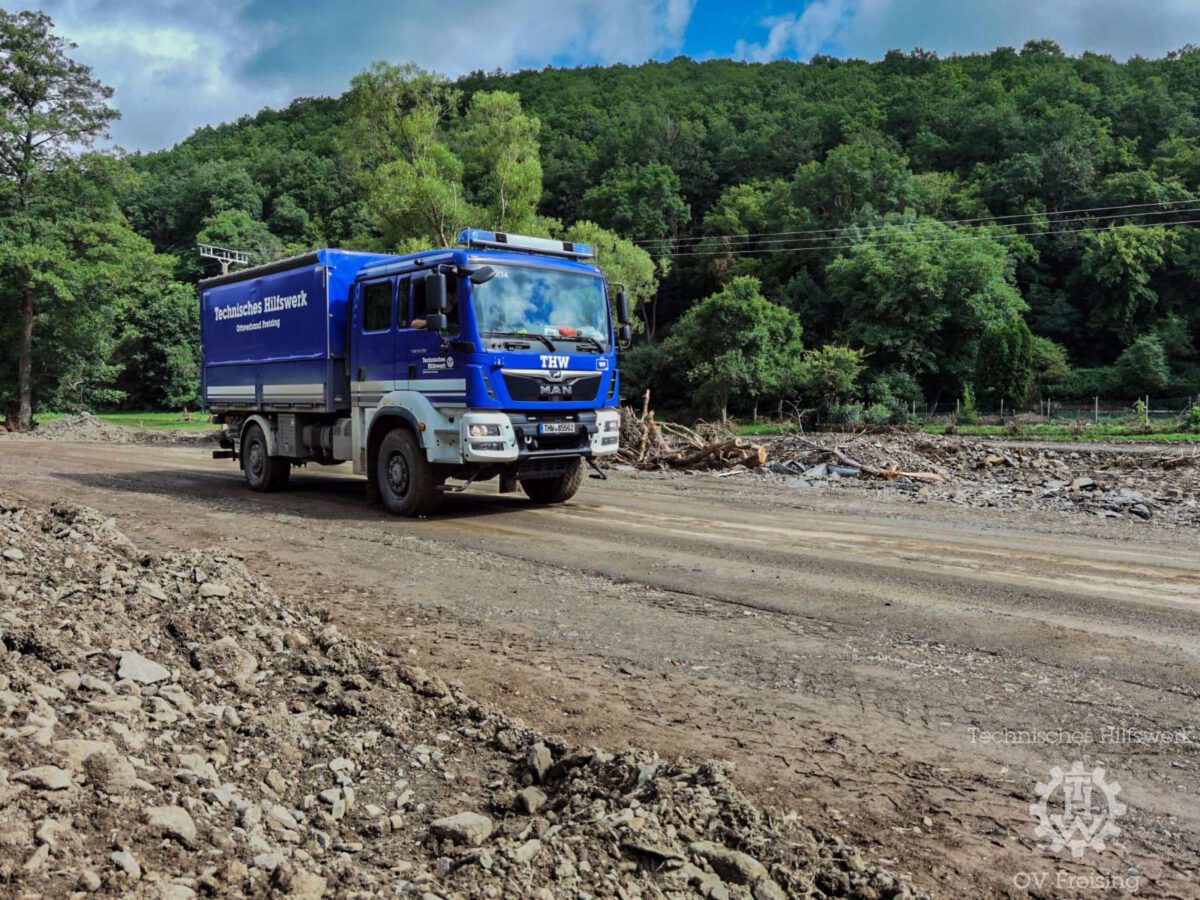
483,274
435,322
622,308
435,293
625,336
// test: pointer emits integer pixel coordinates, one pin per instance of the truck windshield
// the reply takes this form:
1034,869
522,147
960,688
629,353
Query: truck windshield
543,304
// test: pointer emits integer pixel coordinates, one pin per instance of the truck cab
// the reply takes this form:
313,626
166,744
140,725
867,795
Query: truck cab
495,359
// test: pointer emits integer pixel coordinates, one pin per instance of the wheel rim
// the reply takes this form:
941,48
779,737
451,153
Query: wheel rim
257,460
397,474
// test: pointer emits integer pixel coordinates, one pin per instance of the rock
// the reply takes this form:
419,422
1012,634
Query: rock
276,783
110,773
1083,484
45,778
126,863
526,852
539,760
463,828
88,881
14,554
171,821
530,800
306,885
732,865
210,589
38,859
137,668
767,889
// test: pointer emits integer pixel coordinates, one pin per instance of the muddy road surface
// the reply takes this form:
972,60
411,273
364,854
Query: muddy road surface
902,674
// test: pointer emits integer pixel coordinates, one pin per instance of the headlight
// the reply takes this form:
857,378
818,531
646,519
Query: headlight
612,425
478,431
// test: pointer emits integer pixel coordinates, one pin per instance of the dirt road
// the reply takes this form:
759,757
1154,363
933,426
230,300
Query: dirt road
900,673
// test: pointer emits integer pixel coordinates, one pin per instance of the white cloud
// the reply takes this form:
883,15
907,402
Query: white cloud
176,65
869,28
800,36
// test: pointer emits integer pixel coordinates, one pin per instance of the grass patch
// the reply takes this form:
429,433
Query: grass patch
1055,432
151,420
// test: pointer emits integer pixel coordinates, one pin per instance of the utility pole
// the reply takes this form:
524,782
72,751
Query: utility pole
224,256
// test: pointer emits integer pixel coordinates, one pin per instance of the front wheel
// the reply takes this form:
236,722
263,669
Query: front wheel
263,471
558,489
404,477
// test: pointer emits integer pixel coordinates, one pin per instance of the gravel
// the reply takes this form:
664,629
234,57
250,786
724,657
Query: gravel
165,739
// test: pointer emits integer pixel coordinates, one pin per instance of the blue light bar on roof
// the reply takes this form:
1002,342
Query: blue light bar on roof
475,238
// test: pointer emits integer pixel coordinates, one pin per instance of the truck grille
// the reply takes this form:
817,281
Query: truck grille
538,387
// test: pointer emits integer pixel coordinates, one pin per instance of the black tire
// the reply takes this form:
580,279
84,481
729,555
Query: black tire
558,489
405,479
263,471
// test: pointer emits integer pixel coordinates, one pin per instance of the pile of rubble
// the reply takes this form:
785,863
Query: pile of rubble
171,728
1112,483
647,444
88,428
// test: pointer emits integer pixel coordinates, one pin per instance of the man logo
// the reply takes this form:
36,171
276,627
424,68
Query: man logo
555,391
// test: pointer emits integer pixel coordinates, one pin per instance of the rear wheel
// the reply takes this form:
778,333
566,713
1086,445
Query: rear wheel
263,471
405,479
558,489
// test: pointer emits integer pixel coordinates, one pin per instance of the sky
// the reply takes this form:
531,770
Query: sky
179,64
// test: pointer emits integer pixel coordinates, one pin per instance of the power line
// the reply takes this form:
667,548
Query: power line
977,219
735,245
957,240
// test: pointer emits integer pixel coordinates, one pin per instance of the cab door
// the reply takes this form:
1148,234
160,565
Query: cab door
419,354
373,341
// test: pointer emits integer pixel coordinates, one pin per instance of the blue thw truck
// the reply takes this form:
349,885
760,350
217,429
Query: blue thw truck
496,358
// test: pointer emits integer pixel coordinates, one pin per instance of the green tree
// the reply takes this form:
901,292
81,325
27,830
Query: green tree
49,106
158,347
736,346
641,202
92,275
1051,367
918,301
830,375
238,229
499,147
412,179
1004,364
1119,261
1141,368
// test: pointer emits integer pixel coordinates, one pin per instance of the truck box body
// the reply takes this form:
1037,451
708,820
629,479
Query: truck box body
274,338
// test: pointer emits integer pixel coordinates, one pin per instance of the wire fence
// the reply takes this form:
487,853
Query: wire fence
1095,411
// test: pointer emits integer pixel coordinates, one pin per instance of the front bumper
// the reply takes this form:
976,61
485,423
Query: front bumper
493,437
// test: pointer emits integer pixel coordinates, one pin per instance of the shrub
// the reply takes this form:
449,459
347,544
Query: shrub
1191,419
882,414
1142,368
968,413
844,414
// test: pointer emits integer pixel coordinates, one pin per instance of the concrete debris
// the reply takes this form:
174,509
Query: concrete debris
233,743
1128,484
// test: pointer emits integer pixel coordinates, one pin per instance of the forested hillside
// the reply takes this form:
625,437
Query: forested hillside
1021,222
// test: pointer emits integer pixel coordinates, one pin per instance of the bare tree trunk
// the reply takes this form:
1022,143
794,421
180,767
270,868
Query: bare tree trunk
25,363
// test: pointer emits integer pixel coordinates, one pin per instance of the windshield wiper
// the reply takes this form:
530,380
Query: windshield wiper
528,335
588,339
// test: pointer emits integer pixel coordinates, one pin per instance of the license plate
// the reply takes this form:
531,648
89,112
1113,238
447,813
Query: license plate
556,428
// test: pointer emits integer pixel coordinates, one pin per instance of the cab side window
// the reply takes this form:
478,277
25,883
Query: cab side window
419,311
377,306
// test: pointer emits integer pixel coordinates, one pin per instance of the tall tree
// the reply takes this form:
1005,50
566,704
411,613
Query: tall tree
499,146
397,142
50,105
